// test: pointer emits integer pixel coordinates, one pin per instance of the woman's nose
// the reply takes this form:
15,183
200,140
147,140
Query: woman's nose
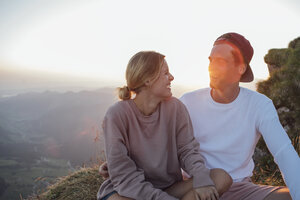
171,77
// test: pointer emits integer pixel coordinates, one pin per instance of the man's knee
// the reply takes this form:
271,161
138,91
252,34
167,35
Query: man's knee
189,196
222,180
280,194
179,189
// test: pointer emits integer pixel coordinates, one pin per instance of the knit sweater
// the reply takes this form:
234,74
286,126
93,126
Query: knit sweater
145,153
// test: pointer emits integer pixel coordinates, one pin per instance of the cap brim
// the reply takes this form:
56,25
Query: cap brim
247,76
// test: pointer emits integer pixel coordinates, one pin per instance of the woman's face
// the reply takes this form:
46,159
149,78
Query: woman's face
161,87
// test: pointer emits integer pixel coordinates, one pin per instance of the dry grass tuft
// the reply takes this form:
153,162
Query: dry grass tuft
82,184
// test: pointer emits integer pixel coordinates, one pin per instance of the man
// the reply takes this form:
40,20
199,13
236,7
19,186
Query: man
228,120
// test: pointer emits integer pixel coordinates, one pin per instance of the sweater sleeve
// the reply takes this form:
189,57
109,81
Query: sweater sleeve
281,148
189,154
127,179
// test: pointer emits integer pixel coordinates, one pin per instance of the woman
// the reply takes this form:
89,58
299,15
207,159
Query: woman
149,138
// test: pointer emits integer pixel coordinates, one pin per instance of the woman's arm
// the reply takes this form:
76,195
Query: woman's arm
127,179
188,151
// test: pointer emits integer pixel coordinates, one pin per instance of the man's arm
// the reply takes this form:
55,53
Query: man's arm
281,148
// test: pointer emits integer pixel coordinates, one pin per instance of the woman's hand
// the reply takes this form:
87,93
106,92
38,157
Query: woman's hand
206,193
103,170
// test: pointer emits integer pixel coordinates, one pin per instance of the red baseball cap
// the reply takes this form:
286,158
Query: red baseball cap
245,48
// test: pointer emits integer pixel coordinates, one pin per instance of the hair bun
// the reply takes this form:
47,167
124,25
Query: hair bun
124,93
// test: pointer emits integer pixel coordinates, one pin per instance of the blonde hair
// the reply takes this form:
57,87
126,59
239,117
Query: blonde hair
142,66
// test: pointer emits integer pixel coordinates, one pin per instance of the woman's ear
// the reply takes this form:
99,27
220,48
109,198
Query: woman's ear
148,83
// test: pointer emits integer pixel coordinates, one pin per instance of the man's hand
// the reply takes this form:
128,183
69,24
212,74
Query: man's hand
206,193
103,170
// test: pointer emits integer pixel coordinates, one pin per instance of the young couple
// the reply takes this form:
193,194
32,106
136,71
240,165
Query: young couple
149,138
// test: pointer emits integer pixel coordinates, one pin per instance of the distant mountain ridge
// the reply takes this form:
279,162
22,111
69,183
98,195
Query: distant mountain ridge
62,118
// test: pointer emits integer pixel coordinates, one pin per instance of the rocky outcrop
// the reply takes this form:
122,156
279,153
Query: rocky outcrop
283,87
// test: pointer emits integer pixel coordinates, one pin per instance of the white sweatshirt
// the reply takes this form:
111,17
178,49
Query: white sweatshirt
228,134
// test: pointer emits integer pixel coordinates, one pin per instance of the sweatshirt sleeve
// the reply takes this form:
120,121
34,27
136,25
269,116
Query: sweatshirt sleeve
127,179
279,144
189,154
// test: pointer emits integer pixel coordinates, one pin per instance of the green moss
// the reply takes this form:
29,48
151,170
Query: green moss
277,57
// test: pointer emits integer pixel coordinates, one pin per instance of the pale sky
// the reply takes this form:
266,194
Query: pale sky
96,39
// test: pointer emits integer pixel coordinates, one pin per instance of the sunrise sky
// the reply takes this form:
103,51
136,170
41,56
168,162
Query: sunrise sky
95,39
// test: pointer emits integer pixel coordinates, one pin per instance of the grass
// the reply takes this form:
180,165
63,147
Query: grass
85,183
82,184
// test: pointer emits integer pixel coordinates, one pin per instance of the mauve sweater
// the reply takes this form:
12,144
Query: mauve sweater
145,153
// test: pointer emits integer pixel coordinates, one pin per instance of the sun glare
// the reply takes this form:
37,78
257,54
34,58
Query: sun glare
66,43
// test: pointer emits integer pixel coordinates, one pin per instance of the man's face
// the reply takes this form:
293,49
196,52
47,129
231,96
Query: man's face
223,68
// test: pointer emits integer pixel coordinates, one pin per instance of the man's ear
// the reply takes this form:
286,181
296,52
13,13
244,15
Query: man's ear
242,69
